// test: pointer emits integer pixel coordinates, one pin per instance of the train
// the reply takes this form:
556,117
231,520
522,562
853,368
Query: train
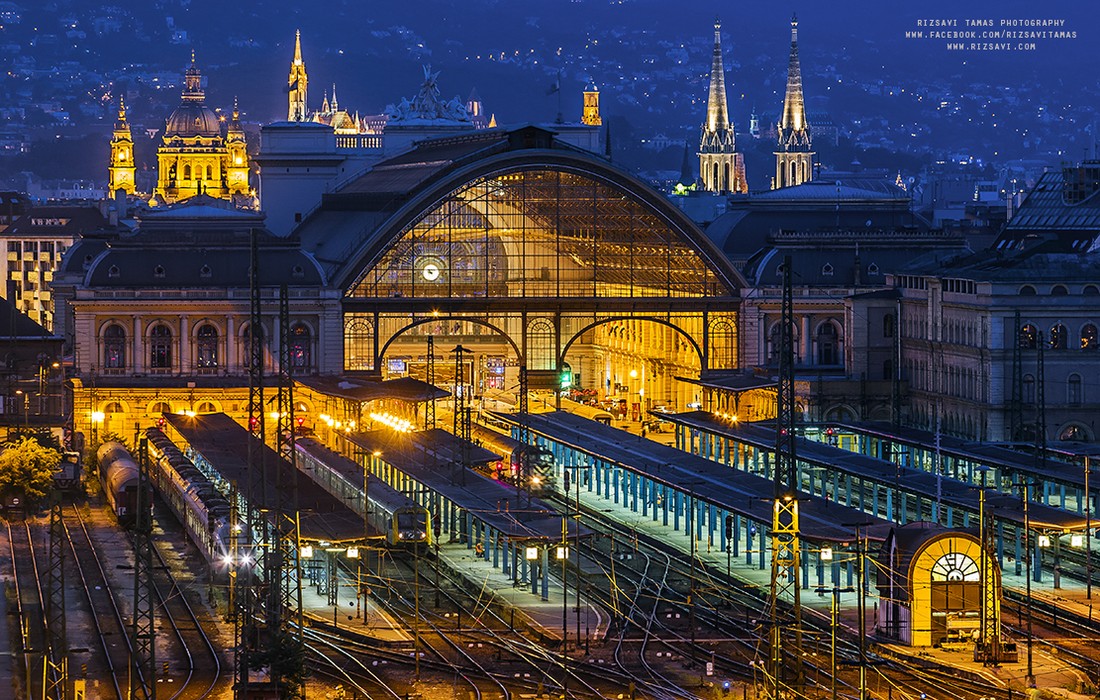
514,456
192,497
403,521
121,477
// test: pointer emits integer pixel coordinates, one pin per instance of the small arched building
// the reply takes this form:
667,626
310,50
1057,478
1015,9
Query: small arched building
931,586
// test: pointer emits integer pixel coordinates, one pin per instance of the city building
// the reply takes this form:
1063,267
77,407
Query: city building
121,171
721,167
794,156
196,156
973,369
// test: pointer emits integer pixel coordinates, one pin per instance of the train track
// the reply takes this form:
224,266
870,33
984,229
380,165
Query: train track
106,616
29,605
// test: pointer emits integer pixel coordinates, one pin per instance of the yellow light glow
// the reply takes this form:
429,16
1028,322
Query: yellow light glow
274,415
561,553
98,416
189,414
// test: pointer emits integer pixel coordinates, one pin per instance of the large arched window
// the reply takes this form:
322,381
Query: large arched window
248,341
1029,337
1058,337
301,348
206,341
829,345
1088,337
723,345
187,172
358,344
160,347
114,347
541,349
775,344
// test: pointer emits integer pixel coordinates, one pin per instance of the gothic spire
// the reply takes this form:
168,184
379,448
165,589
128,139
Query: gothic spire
717,114
794,107
297,47
297,82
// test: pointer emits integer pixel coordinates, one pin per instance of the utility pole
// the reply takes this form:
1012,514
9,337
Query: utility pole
786,627
1016,403
523,436
143,682
462,412
429,405
56,629
286,575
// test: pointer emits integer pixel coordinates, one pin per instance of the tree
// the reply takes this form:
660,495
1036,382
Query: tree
29,466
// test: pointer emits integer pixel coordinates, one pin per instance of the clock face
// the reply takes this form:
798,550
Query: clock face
955,566
430,272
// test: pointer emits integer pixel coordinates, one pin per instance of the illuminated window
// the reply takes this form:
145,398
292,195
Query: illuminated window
114,347
300,347
160,347
723,345
541,350
358,344
1029,337
1058,337
1088,337
955,566
207,346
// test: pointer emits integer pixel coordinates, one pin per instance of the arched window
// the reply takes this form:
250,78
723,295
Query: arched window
1059,290
247,342
1029,389
209,173
714,179
187,172
775,343
723,345
1029,337
726,177
160,407
794,172
1073,390
358,344
829,345
1088,337
1027,291
207,346
301,347
114,347
1074,433
1058,337
1091,290
160,347
206,407
541,350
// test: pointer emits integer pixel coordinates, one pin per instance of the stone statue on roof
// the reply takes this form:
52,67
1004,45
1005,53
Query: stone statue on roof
427,104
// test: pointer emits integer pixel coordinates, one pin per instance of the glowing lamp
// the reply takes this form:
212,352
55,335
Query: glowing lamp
98,416
561,552
1077,540
532,553
353,552
307,551
1044,541
826,554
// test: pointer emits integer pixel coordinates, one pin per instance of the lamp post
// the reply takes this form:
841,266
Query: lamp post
26,408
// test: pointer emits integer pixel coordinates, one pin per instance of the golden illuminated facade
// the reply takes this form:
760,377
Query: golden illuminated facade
121,169
297,83
794,156
591,114
196,156
721,168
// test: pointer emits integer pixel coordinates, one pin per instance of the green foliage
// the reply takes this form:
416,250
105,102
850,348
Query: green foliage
91,461
285,659
43,436
29,466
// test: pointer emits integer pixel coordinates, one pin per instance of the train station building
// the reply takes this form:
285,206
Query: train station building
524,249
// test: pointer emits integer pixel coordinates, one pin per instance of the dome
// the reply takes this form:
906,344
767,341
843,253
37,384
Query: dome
193,119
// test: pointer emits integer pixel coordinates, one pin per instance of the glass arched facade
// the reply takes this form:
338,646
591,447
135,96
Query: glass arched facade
539,233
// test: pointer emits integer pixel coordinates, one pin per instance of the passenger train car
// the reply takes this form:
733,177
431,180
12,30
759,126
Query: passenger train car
402,519
514,456
192,497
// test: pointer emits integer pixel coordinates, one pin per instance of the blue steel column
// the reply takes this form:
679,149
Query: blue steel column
676,510
545,559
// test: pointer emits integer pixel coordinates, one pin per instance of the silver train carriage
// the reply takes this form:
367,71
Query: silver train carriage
120,476
516,458
192,497
403,520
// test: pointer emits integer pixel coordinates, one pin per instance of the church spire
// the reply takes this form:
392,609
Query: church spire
794,157
794,107
717,113
721,168
296,83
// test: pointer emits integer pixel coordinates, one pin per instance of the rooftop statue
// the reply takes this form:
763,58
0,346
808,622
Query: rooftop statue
427,106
